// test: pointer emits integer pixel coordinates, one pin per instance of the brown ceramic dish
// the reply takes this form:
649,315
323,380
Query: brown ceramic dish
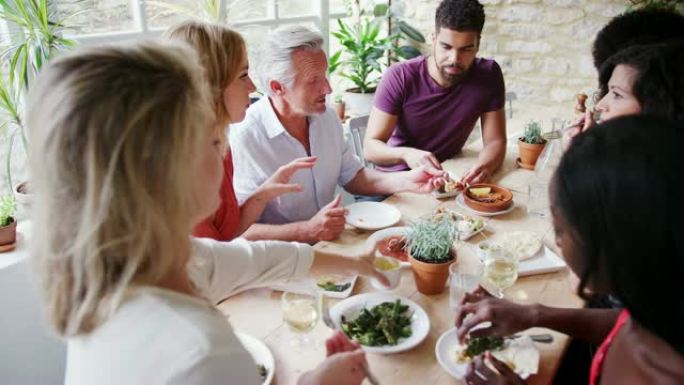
498,200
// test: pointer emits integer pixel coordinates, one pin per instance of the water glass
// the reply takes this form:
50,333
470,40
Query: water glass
538,199
461,281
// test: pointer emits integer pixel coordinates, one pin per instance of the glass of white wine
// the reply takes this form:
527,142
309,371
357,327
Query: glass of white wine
500,271
301,312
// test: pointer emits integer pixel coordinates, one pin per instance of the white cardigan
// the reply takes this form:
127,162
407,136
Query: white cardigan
160,336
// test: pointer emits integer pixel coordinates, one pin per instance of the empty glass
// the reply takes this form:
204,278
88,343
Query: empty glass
461,280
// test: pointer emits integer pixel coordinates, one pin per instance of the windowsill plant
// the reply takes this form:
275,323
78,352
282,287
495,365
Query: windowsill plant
35,39
365,48
8,224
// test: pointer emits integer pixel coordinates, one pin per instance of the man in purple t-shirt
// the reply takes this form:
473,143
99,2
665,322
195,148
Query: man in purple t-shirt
425,108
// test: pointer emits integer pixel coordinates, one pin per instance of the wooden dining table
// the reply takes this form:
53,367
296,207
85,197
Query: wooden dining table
258,313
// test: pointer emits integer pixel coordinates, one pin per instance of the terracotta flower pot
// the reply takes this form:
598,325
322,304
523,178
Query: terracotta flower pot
340,109
8,236
431,277
530,152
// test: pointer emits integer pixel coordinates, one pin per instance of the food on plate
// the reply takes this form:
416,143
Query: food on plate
382,325
477,346
329,283
442,212
485,195
451,185
480,191
517,352
464,223
386,264
487,246
395,247
522,244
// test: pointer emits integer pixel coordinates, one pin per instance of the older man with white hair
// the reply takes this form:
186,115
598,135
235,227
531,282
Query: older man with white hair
292,121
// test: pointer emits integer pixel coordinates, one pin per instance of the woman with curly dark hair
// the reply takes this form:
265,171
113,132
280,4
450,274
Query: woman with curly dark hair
618,224
640,79
650,77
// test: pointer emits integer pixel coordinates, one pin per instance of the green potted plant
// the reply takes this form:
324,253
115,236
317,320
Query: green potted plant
359,61
339,105
8,224
431,251
531,144
37,40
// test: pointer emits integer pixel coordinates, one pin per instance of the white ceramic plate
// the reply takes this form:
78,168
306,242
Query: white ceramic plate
352,307
372,215
458,218
521,351
382,234
304,285
461,202
260,352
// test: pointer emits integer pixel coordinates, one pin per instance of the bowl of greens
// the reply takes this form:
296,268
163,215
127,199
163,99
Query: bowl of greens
383,323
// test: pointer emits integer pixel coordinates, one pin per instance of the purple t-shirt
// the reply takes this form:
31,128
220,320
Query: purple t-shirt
431,117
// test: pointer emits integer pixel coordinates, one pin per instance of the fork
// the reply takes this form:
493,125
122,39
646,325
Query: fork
327,320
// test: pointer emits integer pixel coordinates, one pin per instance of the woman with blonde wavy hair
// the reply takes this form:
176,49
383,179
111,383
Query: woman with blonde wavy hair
127,158
223,55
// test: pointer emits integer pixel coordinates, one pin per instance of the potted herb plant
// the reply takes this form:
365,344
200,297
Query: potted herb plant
8,224
431,251
339,105
531,144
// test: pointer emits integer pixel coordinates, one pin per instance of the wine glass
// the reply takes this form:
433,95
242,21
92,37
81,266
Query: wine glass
500,271
301,311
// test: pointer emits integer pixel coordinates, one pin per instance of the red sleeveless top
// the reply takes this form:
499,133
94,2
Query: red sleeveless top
226,219
600,356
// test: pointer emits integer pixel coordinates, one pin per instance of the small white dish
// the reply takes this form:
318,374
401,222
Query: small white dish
464,223
353,306
260,353
382,234
304,285
545,261
391,269
443,195
372,215
461,203
521,352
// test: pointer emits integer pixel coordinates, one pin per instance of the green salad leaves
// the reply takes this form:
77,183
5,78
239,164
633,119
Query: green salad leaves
382,325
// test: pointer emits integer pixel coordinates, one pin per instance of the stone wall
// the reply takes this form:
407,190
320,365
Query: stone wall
543,47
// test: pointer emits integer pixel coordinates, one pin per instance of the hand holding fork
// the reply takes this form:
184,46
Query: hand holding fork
327,320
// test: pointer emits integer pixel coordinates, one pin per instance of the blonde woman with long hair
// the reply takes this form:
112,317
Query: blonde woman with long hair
223,55
127,158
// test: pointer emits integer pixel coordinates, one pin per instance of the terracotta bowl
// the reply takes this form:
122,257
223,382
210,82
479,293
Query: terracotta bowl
488,207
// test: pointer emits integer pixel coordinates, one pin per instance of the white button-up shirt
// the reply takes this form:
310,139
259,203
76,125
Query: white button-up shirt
260,144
